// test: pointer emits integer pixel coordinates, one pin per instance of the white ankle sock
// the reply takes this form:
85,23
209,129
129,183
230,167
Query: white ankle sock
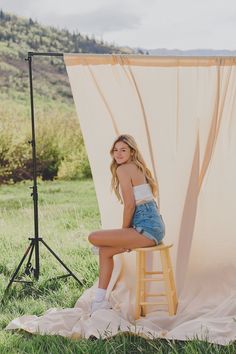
100,294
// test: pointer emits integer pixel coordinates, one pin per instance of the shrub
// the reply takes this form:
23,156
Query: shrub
60,148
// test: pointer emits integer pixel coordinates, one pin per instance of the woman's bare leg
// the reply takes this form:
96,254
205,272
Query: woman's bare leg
127,238
111,242
106,264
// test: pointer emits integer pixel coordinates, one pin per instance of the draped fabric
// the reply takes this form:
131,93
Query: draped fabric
182,113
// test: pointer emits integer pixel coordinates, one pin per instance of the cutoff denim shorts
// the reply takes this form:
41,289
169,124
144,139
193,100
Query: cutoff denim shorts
148,221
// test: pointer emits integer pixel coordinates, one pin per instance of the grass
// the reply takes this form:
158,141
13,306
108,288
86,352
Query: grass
68,211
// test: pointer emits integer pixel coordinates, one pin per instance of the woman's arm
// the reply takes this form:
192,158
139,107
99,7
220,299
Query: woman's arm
127,194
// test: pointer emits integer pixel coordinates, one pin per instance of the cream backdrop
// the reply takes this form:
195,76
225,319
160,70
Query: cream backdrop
182,113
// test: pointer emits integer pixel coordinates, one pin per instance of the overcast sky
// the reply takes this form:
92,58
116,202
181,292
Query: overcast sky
149,24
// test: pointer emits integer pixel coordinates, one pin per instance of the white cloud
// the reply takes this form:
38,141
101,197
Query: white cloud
98,21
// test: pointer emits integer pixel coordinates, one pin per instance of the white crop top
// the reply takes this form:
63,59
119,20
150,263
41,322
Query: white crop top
142,192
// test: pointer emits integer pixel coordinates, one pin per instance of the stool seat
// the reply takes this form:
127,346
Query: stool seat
153,248
164,275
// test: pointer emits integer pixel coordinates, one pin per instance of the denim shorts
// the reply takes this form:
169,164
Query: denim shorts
148,221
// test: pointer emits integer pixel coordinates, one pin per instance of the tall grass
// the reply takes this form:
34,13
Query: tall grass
68,211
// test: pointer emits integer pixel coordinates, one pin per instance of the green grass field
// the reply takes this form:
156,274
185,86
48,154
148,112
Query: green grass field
68,211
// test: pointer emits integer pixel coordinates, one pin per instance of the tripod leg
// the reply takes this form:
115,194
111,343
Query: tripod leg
59,260
18,268
29,267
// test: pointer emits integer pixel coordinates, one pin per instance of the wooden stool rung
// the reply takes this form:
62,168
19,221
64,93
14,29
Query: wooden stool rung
153,303
151,279
152,295
154,272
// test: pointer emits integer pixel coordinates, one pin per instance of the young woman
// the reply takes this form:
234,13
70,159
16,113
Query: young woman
143,225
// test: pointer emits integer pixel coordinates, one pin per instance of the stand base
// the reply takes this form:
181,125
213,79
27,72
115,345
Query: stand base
29,268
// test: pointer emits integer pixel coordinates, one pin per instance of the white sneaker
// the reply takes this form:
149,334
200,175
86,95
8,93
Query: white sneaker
98,305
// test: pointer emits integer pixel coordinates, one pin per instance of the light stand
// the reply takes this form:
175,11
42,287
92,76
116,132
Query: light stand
36,240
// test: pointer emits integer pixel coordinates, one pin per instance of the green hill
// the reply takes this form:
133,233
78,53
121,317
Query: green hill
20,35
59,142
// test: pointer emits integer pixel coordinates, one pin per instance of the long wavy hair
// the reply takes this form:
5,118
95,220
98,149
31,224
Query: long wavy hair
139,162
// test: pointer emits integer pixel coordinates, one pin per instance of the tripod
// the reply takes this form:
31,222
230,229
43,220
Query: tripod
36,240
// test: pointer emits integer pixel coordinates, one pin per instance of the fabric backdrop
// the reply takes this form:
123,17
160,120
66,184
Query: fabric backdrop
182,113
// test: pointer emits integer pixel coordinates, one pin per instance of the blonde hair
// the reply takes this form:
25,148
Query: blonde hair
139,162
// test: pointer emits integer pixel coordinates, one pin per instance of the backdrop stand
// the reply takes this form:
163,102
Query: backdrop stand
34,244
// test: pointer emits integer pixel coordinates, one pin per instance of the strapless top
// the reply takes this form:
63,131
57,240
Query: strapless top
142,192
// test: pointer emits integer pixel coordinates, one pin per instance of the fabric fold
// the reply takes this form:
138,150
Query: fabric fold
182,113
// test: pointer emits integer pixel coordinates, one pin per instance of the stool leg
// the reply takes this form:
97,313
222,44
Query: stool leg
172,280
138,285
143,298
141,274
167,282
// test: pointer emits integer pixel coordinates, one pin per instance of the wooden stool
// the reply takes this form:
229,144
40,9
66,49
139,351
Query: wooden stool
166,275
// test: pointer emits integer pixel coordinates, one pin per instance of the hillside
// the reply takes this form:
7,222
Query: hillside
59,143
20,35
